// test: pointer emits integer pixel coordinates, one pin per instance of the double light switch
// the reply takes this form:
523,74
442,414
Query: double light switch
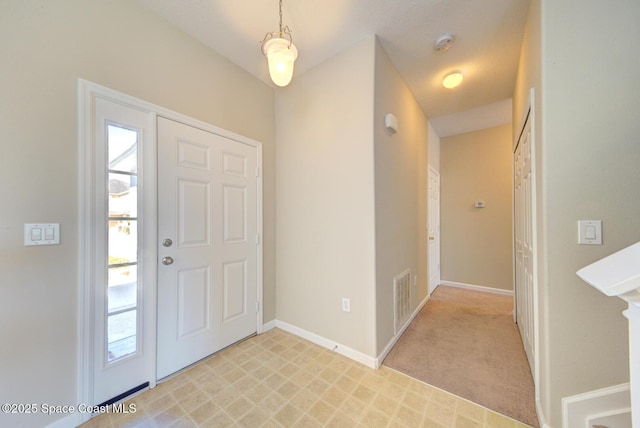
41,234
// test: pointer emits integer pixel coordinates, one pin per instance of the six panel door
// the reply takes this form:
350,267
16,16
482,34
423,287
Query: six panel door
207,233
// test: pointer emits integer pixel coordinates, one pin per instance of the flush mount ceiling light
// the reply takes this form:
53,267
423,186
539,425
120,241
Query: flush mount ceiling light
452,80
281,53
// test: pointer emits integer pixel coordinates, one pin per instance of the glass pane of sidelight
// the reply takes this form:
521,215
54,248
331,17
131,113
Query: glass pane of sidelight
123,195
123,241
121,335
123,149
123,285
122,263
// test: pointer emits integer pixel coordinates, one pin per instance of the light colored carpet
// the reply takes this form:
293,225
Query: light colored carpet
466,342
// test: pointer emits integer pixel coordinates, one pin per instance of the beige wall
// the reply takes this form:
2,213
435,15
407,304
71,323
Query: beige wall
587,100
434,149
476,243
400,193
591,100
45,47
350,197
325,199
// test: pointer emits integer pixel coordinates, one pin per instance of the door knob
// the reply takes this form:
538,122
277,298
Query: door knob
431,238
167,260
167,242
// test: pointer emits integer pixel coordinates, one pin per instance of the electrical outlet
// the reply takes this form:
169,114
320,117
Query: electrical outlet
346,304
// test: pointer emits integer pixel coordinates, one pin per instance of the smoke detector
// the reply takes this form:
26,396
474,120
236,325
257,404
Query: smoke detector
443,42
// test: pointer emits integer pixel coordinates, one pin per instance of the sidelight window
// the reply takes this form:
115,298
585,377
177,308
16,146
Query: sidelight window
122,237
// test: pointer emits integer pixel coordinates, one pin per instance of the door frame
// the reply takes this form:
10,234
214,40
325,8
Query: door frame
434,172
528,114
87,94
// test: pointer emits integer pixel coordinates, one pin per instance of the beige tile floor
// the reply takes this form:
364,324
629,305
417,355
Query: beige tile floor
280,380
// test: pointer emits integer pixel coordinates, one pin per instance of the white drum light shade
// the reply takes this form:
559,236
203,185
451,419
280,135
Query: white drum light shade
281,54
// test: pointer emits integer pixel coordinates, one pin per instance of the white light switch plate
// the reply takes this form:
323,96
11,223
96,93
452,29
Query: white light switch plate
590,232
41,234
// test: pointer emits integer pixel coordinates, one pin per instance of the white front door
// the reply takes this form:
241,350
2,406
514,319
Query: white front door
434,229
207,244
523,213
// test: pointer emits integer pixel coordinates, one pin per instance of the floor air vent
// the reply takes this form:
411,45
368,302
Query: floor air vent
401,299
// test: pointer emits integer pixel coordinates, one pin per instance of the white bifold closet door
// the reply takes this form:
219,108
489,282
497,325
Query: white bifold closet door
524,269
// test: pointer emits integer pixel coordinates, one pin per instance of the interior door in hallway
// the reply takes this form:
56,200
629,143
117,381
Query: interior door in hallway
524,258
434,229
207,233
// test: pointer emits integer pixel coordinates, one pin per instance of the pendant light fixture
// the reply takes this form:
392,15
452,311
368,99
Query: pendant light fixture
281,53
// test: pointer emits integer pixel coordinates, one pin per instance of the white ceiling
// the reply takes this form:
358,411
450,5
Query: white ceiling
486,116
487,34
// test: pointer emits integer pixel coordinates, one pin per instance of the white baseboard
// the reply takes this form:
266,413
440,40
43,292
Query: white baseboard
542,420
477,288
395,338
70,421
583,410
268,326
351,353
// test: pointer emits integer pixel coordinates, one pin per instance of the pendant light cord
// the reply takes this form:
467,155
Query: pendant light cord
280,6
283,31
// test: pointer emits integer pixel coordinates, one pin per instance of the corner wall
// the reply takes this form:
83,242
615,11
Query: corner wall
477,243
591,157
587,99
46,46
401,172
325,199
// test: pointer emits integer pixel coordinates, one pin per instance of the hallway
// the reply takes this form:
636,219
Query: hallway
466,342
